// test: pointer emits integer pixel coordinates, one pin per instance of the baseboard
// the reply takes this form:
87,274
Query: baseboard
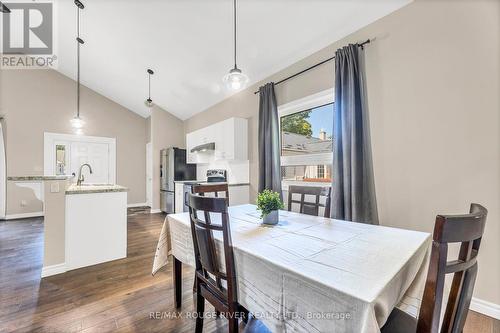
23,215
142,204
487,308
53,270
154,211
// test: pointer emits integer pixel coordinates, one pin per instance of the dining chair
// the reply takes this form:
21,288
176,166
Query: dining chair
306,207
465,229
208,273
203,189
215,189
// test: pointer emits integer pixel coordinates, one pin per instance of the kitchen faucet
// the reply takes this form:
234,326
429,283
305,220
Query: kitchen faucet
80,176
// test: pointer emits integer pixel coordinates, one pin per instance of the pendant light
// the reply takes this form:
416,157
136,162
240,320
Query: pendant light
149,101
235,79
4,8
77,123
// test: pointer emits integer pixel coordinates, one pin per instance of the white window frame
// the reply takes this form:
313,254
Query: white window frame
309,102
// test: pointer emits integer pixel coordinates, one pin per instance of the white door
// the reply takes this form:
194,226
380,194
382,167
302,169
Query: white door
95,154
149,174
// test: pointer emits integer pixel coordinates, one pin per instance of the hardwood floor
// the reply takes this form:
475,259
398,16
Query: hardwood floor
119,296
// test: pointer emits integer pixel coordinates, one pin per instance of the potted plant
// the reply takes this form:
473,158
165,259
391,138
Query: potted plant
269,202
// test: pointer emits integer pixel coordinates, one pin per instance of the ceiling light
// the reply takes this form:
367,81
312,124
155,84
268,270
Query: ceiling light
77,123
149,101
235,79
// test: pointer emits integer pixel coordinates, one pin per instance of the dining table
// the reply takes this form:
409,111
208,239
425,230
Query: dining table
310,273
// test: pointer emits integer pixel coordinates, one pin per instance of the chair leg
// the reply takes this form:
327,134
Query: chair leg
200,309
245,316
233,325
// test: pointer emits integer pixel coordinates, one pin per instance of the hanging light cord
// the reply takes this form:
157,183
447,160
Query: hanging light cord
149,85
234,8
78,62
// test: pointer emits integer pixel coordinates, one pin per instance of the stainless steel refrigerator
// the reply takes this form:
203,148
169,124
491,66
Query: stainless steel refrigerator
173,167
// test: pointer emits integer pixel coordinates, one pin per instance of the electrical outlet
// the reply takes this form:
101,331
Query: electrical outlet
24,203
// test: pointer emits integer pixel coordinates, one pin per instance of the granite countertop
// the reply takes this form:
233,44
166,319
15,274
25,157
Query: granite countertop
95,188
212,183
37,178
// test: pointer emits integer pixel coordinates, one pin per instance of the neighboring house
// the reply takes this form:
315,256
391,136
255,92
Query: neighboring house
297,144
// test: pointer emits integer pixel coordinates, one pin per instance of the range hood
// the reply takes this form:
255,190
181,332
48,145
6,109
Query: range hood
204,147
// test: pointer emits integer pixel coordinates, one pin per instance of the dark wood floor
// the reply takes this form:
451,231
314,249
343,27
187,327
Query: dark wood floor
119,296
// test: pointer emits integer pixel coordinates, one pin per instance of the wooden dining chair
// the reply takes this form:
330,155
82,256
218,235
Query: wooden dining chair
215,189
306,207
468,230
203,189
208,274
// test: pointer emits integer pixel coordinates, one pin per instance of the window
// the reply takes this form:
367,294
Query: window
321,171
60,160
306,129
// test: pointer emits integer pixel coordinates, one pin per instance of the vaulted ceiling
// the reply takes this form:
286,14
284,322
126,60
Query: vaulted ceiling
188,43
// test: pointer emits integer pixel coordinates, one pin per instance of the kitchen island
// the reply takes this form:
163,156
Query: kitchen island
95,224
83,225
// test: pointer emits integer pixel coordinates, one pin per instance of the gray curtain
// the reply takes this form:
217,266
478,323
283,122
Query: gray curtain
269,147
353,186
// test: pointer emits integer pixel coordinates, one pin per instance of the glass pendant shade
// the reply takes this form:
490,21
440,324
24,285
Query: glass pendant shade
149,103
77,123
235,79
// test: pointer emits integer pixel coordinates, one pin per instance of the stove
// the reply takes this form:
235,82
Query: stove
216,176
213,176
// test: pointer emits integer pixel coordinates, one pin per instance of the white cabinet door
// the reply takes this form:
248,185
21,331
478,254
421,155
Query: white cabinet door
233,140
190,143
95,154
194,139
179,198
95,228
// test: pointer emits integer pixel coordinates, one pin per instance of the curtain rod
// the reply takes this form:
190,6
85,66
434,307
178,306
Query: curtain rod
314,66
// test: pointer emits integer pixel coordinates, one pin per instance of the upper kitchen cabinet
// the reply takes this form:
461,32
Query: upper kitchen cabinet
225,140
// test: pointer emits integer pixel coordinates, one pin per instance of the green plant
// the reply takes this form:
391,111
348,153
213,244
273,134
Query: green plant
267,201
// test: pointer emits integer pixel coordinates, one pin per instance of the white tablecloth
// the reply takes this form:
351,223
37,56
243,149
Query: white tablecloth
314,274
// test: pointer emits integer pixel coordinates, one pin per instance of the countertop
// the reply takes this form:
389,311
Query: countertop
94,188
37,178
213,183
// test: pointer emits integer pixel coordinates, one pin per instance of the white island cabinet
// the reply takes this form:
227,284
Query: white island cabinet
96,225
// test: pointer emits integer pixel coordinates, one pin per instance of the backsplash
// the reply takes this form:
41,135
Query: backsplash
237,171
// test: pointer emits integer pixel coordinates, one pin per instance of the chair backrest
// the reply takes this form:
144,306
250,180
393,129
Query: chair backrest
205,249
465,229
201,189
306,207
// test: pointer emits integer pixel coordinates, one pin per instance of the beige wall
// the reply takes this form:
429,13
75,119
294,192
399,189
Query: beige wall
433,89
38,101
166,131
54,227
148,129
